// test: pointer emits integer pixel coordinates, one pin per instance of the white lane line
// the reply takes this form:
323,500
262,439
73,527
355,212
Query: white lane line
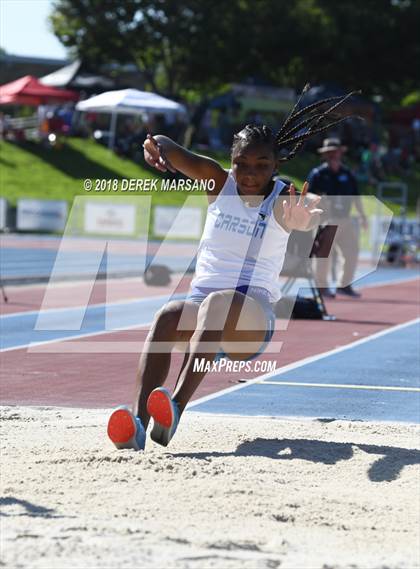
339,386
80,283
300,363
75,337
92,306
30,345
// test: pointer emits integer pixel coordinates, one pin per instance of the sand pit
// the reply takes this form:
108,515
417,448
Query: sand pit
228,493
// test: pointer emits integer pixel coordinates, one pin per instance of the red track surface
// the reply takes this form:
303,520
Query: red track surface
66,295
107,379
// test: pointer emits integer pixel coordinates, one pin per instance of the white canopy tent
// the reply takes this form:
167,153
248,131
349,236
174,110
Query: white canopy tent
128,102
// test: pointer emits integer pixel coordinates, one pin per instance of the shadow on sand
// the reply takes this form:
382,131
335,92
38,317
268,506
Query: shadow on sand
385,469
29,509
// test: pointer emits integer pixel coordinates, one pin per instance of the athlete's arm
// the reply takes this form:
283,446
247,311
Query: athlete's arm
164,154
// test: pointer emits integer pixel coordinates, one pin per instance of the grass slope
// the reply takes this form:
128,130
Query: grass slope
30,170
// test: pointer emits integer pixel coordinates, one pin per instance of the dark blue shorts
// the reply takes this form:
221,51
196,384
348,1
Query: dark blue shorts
198,294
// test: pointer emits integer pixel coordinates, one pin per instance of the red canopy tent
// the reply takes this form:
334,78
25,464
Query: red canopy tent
29,91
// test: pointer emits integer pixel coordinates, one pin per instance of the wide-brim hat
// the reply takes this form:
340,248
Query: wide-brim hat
330,144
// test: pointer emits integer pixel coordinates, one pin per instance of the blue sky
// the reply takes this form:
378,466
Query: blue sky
24,29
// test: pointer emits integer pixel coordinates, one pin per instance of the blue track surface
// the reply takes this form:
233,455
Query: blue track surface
391,360
25,262
30,263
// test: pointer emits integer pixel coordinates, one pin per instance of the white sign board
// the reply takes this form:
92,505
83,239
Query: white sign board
185,222
109,218
3,213
44,215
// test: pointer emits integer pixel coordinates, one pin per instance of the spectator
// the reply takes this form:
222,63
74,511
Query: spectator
332,178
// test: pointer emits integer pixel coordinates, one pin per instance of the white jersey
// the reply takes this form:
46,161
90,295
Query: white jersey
223,258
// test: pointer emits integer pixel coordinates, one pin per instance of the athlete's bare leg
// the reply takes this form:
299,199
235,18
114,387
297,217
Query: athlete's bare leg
216,326
154,363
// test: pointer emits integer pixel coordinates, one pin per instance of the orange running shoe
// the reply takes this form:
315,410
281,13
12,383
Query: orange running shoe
165,414
125,430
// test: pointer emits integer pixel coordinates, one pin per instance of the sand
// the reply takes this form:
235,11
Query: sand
229,492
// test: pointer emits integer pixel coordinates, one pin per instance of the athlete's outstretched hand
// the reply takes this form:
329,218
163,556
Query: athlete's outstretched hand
154,155
297,215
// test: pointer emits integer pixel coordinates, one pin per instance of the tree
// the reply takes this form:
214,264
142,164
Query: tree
176,45
202,45
371,44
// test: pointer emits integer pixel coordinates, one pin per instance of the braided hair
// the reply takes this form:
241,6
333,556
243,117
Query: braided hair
300,125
